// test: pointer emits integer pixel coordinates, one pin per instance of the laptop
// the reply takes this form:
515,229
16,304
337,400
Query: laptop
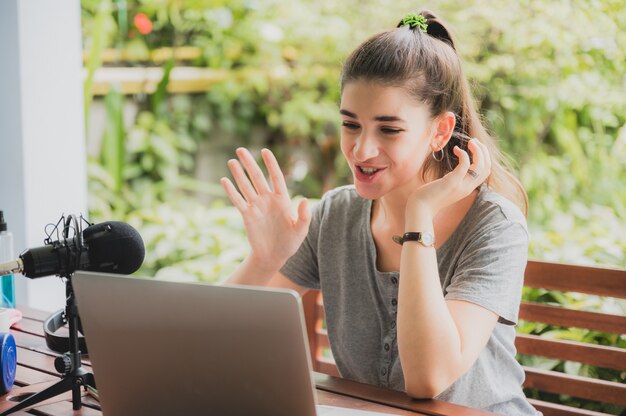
171,348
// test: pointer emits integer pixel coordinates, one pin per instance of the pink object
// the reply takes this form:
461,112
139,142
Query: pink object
14,316
143,23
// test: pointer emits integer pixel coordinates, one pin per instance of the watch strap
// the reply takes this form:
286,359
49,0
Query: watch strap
413,236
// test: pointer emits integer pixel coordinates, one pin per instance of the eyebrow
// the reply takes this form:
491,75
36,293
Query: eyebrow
377,118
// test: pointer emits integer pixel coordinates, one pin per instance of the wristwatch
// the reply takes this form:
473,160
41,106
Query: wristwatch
426,238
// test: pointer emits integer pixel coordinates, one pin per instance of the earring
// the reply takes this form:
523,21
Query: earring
440,157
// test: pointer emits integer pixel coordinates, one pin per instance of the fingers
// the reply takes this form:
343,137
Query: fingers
242,181
250,178
479,168
233,195
481,161
304,216
487,160
464,162
252,184
253,169
476,167
276,175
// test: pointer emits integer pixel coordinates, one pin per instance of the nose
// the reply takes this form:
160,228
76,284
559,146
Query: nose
365,148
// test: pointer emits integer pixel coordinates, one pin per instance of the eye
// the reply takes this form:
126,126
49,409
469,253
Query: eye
389,130
349,125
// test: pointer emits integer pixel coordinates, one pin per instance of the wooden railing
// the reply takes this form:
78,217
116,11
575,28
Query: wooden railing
552,276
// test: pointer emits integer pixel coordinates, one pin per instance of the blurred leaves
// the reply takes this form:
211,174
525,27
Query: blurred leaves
552,93
208,243
113,143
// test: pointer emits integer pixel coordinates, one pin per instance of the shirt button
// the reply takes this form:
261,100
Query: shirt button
393,324
394,280
394,302
386,347
383,371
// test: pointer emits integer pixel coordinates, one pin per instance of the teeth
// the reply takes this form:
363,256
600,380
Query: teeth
368,171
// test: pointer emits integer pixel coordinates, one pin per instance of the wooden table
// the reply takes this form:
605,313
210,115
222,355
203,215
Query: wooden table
35,371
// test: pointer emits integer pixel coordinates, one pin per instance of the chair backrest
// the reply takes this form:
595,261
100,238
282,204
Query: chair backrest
551,276
581,279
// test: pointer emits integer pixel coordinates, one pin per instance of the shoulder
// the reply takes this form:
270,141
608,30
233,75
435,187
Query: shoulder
492,221
344,193
343,197
339,207
492,210
339,212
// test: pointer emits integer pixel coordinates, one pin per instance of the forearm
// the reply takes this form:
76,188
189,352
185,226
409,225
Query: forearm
428,340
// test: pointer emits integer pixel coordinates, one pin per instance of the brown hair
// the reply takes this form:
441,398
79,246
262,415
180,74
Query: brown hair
428,66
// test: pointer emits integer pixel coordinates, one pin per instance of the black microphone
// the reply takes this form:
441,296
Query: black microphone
108,247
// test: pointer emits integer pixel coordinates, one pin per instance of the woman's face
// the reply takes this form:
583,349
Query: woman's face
385,137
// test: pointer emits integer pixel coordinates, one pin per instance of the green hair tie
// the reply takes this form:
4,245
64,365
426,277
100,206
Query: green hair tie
414,20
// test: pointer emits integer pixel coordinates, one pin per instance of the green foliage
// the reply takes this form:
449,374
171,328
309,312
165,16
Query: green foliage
208,244
551,94
589,235
552,90
113,143
154,165
97,26
548,77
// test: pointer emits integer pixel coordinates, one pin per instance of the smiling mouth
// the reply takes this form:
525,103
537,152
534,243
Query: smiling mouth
367,171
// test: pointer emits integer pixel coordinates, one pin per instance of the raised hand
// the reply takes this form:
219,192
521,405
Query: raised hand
273,231
455,185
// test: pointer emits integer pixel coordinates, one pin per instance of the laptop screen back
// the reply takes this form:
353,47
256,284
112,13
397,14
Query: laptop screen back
164,348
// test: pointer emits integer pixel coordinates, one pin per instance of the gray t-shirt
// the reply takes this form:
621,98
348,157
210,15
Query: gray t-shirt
482,262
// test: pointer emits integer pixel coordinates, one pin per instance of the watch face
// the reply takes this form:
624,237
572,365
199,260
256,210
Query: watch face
428,238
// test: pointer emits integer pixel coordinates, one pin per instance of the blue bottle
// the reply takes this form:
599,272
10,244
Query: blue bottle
8,362
7,287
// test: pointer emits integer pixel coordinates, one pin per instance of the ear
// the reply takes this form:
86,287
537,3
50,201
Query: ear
444,126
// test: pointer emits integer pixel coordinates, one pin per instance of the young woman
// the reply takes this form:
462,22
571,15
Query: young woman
421,261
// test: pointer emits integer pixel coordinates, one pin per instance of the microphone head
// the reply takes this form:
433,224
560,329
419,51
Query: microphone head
114,247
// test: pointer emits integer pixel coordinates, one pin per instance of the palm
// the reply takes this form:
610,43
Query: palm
272,230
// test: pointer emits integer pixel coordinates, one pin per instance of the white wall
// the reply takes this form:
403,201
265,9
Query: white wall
42,139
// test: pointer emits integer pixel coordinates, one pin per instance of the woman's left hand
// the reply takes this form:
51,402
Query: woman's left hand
456,185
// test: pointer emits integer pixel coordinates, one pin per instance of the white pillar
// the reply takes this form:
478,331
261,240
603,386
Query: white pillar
42,138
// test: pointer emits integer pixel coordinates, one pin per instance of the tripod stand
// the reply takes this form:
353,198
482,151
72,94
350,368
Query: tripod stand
73,376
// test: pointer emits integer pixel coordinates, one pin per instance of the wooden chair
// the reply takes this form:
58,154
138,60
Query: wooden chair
551,276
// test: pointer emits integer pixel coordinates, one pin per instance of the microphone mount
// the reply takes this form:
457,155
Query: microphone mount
75,246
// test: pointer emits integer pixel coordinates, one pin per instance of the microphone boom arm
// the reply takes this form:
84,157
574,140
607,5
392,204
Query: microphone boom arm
12,267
